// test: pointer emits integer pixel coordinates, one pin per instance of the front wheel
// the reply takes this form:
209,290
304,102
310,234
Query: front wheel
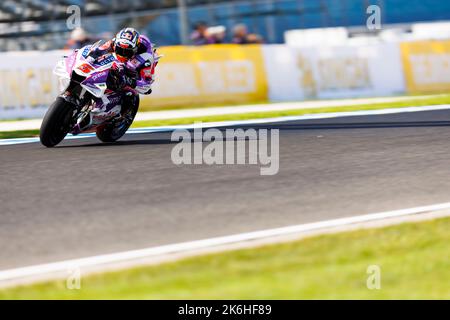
56,123
114,131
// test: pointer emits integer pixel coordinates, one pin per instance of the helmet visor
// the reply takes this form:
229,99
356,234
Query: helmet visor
124,52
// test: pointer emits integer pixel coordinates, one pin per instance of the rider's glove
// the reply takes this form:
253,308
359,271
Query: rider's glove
118,68
130,82
114,82
130,78
122,76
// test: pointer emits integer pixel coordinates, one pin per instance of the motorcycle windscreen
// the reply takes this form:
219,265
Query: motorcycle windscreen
60,71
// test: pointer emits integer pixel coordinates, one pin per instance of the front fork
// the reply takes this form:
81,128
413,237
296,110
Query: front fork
80,117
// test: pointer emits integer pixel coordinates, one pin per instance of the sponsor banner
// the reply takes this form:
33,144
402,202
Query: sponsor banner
196,76
222,74
333,72
186,76
426,65
27,83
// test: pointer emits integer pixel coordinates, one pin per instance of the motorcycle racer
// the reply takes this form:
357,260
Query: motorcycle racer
126,46
100,86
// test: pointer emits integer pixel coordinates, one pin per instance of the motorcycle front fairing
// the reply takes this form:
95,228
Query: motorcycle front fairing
93,76
107,104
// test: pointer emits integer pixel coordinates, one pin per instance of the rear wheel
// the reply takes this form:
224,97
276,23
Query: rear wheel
56,123
114,131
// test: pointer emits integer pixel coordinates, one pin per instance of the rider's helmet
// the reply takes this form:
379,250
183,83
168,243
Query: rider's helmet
126,44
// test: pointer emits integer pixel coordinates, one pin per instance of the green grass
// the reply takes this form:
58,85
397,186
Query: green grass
18,134
412,101
414,259
147,106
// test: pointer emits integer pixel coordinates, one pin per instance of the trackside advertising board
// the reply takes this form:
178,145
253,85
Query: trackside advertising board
233,74
209,75
333,72
427,66
27,83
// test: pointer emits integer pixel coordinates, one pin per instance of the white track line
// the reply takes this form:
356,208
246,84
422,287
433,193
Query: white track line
57,268
249,122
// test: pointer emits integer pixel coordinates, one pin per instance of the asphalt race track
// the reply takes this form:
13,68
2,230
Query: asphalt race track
85,198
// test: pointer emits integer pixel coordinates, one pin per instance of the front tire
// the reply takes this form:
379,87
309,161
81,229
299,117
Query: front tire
56,123
113,132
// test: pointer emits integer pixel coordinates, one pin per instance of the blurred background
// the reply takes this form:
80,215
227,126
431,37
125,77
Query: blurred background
282,50
41,24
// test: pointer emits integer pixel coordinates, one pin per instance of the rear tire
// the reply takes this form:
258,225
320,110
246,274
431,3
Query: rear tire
56,123
113,132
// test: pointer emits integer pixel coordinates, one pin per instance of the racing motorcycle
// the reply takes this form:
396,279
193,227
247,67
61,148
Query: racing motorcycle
87,102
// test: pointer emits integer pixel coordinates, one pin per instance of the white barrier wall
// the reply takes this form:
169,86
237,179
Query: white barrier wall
275,72
27,83
333,72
